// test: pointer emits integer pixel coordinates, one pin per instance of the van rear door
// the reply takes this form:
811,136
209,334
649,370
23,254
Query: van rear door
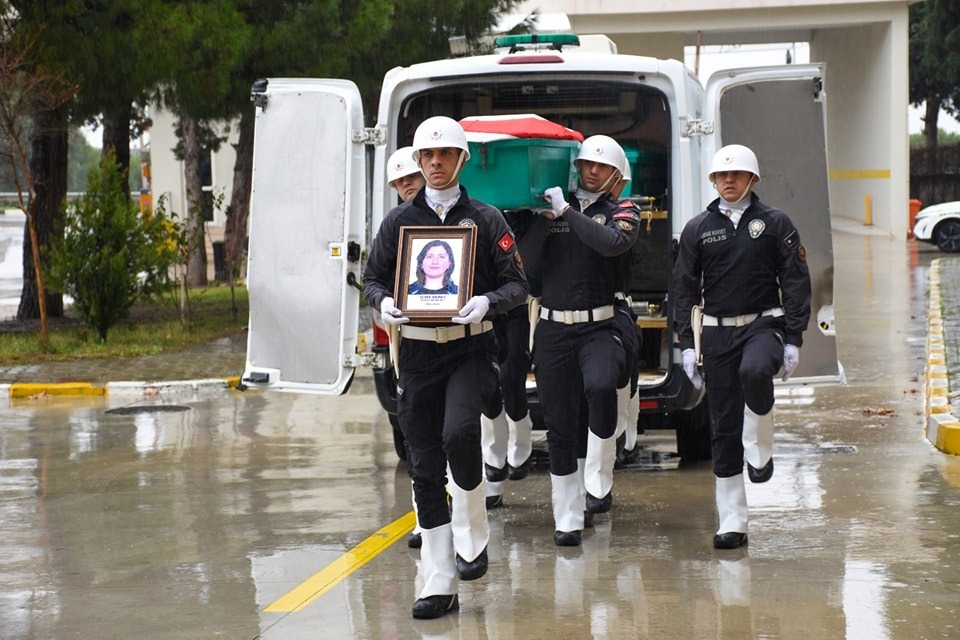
306,231
779,112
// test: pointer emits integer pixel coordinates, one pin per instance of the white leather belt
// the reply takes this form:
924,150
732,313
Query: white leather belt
739,321
446,333
576,316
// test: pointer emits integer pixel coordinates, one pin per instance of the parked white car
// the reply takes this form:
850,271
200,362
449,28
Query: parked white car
939,224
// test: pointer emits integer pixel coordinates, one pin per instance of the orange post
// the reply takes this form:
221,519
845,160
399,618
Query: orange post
915,206
868,212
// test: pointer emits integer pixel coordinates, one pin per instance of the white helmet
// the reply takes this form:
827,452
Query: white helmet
401,164
603,149
438,132
735,157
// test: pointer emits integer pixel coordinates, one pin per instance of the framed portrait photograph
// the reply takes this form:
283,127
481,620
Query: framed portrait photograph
434,271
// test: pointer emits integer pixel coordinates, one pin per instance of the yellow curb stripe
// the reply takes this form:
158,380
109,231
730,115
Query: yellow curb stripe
29,389
860,174
338,570
942,427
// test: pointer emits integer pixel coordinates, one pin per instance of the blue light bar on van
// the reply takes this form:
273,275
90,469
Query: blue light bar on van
522,41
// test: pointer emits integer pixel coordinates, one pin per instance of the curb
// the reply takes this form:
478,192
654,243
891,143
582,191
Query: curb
942,427
120,389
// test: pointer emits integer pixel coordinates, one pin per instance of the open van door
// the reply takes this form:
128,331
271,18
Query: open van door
779,112
307,210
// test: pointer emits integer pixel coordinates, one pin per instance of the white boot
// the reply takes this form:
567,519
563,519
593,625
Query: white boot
633,413
468,519
437,563
494,435
521,441
731,513
598,471
757,437
568,505
623,402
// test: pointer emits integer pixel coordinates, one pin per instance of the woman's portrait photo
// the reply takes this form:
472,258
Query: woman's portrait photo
434,271
435,267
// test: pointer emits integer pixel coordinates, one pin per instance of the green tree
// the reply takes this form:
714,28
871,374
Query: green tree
935,61
109,256
360,40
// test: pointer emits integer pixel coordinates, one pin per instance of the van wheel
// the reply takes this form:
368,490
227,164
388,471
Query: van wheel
399,442
693,433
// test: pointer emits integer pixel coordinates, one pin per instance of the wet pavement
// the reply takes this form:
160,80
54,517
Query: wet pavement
203,513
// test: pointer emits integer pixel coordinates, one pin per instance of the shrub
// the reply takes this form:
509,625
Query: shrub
110,255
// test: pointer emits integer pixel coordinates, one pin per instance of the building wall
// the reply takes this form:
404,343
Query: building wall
863,45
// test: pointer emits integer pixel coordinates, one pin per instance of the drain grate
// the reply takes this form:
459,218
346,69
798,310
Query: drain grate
148,408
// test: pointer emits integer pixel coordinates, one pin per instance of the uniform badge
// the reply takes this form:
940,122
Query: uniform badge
801,253
517,260
466,222
625,225
602,219
756,227
505,242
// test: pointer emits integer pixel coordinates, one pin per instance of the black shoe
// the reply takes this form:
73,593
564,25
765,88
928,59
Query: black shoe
587,520
567,538
472,570
435,606
599,505
729,540
493,474
414,540
626,457
760,475
521,472
494,501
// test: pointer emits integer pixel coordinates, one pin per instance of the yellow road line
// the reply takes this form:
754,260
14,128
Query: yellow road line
338,570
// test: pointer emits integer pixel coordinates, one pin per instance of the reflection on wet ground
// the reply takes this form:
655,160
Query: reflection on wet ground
128,520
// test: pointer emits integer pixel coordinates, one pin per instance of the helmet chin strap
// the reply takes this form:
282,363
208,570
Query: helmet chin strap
743,196
608,184
456,173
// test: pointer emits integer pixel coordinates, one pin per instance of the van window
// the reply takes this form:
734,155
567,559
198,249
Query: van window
636,115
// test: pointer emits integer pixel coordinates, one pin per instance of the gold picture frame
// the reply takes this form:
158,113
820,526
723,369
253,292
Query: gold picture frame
435,271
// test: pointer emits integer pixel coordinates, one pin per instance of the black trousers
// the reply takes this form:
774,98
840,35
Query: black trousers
440,393
513,334
738,368
576,364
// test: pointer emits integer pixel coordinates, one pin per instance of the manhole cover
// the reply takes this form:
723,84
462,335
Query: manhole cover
148,408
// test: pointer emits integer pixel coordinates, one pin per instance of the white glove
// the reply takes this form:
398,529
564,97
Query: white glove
559,206
473,311
791,358
389,312
690,367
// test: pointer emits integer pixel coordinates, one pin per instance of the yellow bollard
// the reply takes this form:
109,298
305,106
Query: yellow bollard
868,213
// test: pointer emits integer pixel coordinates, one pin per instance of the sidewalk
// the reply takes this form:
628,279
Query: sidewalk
218,364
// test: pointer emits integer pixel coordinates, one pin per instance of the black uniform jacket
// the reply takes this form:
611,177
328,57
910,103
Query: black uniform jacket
575,257
757,266
498,271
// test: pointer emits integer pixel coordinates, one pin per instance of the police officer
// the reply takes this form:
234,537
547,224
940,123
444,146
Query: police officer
403,174
578,350
447,372
743,261
506,427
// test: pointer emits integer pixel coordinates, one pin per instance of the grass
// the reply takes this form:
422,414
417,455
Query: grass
152,328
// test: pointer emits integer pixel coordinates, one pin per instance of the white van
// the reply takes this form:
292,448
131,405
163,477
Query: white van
319,194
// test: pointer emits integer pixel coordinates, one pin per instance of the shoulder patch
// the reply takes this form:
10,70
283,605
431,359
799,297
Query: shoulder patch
622,214
505,242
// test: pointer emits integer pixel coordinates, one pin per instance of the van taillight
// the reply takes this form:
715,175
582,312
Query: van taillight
649,404
531,59
380,337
